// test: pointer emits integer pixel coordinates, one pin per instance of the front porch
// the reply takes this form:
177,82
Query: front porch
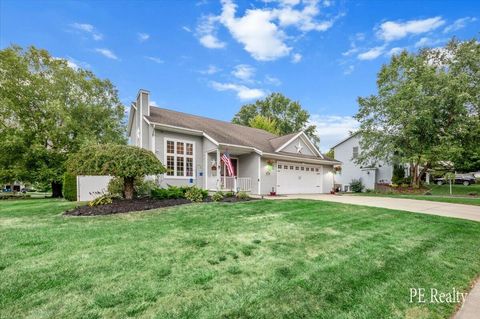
245,166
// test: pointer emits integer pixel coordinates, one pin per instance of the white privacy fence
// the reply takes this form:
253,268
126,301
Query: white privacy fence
91,187
242,184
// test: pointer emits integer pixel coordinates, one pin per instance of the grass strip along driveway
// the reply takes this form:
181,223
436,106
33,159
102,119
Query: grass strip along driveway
260,259
441,193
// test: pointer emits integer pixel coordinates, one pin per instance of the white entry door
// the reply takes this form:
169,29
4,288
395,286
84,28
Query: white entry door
298,178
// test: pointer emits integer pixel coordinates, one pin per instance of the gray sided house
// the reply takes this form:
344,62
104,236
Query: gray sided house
346,151
191,147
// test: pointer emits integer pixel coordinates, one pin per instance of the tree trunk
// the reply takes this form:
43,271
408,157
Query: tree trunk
57,189
128,187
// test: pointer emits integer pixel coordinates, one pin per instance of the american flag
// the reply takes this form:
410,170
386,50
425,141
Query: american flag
228,163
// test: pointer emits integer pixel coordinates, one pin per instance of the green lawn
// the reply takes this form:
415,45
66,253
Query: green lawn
262,259
441,194
456,189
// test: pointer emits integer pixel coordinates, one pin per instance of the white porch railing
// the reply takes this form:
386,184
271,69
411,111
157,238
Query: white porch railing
241,184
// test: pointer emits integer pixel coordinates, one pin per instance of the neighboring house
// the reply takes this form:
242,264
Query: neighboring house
14,187
346,151
191,147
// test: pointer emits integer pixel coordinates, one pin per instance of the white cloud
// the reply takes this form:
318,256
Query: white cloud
154,59
243,72
259,36
262,31
211,42
212,69
296,58
272,80
206,33
107,53
142,37
459,24
187,29
372,53
428,42
390,31
88,28
243,92
332,128
394,51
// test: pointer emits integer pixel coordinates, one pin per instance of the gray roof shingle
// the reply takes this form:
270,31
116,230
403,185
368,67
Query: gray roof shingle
222,131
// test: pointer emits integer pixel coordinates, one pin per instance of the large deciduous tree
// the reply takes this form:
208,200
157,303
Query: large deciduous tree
288,115
127,162
48,109
426,109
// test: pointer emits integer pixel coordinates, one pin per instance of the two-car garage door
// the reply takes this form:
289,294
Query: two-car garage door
296,178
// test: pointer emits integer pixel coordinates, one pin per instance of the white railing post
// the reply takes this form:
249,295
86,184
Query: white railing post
235,184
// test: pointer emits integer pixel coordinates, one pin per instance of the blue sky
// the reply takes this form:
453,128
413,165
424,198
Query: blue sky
210,57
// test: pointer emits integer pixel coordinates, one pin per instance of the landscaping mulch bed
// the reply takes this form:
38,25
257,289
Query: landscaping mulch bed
135,205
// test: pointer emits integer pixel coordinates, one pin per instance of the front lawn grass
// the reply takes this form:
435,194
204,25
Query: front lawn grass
260,259
433,198
457,190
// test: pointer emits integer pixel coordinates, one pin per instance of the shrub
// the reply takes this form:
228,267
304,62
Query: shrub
427,193
172,192
123,161
398,174
194,194
102,200
14,196
473,193
217,197
242,195
229,194
70,186
356,185
143,188
115,186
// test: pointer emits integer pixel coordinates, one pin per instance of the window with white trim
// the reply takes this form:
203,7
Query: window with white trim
355,152
179,158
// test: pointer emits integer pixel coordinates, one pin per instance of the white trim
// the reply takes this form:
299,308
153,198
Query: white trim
288,142
311,147
301,159
153,139
259,180
194,176
344,140
306,140
241,146
208,137
205,171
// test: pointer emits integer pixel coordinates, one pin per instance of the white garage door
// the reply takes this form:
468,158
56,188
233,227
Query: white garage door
297,178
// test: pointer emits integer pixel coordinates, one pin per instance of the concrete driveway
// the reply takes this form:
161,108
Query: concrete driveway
469,212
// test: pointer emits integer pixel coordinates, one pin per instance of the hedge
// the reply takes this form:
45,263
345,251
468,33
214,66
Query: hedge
70,187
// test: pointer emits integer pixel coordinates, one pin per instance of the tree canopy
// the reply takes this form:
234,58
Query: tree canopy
48,110
264,123
122,161
426,109
288,116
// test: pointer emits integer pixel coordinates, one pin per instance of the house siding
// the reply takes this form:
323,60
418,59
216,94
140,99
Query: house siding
268,179
248,167
350,170
290,148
